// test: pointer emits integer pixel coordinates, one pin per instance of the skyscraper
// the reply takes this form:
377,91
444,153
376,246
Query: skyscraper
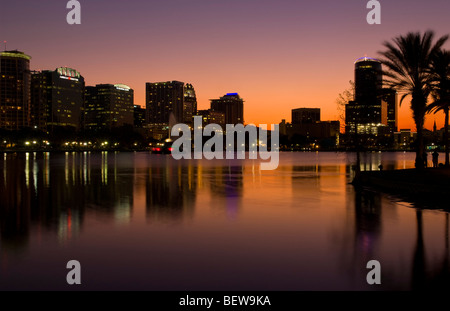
57,99
15,77
368,80
139,116
164,98
368,112
109,106
189,104
391,99
232,105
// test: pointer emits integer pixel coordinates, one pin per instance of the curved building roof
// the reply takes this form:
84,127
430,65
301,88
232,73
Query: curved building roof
15,54
367,59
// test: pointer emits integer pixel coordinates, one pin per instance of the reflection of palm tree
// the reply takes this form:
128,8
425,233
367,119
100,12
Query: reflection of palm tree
419,274
445,265
440,70
408,61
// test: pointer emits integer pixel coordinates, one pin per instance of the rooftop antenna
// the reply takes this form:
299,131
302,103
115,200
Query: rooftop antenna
5,44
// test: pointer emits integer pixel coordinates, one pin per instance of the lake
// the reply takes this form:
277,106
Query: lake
137,221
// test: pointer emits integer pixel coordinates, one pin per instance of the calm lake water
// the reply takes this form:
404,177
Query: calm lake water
137,221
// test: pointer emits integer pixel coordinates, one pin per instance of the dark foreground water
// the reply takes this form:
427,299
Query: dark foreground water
148,222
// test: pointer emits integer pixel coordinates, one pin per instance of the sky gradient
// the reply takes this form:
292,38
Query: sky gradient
278,55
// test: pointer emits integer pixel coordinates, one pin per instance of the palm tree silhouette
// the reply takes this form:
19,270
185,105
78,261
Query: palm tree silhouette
440,71
408,63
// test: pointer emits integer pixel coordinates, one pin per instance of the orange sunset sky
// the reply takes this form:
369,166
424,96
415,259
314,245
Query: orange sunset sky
278,55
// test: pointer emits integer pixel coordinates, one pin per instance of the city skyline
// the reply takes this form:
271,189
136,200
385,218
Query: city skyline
224,153
185,94
289,48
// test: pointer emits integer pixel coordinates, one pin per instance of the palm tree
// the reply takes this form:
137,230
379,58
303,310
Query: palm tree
408,62
440,71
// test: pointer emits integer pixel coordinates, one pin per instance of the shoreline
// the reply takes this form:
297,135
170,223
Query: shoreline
430,186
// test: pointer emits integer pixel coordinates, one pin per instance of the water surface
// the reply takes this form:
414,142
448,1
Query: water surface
137,221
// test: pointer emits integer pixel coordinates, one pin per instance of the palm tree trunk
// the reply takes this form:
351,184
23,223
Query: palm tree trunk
446,140
419,265
419,148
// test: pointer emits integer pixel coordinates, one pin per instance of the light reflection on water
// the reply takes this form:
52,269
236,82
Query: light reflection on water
140,221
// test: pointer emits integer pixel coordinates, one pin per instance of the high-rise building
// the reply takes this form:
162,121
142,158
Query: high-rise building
305,115
139,116
108,106
368,112
57,99
232,105
368,80
391,99
15,78
189,104
162,99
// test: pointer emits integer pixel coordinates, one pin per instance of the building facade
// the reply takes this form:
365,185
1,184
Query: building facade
162,100
139,117
15,98
305,115
390,97
108,106
232,105
306,122
212,117
57,99
368,112
189,104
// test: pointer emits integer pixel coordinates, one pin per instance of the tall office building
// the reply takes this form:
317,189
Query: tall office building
391,99
189,104
139,116
15,77
164,98
232,105
108,106
305,115
368,80
57,99
368,112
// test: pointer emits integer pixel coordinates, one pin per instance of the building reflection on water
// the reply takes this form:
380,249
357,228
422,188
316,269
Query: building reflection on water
367,231
427,270
227,183
302,207
55,191
368,222
56,196
171,191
